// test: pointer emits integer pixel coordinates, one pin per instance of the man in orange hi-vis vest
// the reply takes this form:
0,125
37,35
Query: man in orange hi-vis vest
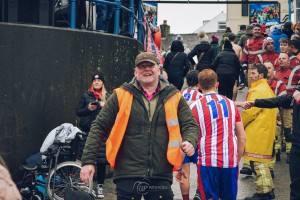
149,127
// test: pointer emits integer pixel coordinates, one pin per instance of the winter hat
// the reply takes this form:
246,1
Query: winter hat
179,38
202,36
98,76
215,38
227,43
267,40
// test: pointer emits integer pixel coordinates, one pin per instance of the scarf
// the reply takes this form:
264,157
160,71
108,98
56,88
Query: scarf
97,93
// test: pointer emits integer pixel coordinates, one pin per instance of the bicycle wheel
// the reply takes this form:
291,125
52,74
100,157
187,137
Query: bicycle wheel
36,197
67,176
32,197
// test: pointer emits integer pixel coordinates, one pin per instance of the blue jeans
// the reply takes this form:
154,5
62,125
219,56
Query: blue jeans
104,14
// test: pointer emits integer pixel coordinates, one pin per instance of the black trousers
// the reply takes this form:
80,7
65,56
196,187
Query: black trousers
242,78
226,83
294,172
101,171
150,189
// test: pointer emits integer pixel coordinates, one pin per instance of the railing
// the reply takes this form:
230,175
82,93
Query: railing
117,6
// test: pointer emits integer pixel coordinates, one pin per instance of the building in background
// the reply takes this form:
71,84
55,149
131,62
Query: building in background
216,24
244,13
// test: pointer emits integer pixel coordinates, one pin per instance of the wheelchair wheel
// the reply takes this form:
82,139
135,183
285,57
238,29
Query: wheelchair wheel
67,176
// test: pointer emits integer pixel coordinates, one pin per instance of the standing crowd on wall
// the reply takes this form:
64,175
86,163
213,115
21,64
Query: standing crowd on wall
100,17
184,111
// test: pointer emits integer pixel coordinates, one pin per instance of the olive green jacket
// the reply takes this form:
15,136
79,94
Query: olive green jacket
143,152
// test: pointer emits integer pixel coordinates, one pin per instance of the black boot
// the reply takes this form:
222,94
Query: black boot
259,196
278,155
246,171
272,194
272,173
287,158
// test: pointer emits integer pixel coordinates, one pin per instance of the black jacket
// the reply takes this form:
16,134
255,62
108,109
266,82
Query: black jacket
285,101
209,55
177,66
227,62
82,111
86,119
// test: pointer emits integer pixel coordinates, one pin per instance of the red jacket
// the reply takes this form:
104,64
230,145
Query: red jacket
294,61
252,48
268,55
290,76
278,86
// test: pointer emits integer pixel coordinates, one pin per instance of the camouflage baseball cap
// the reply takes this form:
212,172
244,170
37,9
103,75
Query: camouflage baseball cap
146,56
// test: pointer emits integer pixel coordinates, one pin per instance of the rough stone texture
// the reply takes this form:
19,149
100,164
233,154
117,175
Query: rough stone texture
43,73
190,40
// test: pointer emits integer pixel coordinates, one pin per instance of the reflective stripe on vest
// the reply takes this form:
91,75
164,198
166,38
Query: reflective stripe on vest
173,153
260,58
290,81
115,138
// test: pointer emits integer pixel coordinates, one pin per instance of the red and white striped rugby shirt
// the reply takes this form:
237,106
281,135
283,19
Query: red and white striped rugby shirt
191,95
216,116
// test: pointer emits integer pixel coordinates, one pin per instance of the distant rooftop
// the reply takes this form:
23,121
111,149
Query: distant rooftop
218,23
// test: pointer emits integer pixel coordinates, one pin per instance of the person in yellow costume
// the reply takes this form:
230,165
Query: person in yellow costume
260,127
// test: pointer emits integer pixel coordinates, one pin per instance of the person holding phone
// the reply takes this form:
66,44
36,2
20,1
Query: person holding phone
88,108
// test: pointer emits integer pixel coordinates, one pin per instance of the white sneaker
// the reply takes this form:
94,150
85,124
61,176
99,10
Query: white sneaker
99,192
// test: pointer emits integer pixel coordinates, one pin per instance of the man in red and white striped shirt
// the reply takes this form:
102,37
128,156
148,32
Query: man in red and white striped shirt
191,94
219,151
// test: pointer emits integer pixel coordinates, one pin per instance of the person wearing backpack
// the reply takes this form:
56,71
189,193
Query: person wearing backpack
176,64
205,53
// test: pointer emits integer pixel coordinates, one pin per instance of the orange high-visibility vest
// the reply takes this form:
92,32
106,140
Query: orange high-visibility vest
115,138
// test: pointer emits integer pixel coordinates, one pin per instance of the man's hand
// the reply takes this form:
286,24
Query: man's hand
180,175
248,105
240,104
296,95
87,172
92,107
187,148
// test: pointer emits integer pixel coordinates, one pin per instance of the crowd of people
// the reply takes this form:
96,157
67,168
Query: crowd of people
154,129
154,125
103,14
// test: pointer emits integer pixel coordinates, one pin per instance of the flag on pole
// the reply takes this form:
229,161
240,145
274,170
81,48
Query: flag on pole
149,44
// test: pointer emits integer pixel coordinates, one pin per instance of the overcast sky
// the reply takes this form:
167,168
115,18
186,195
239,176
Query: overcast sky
186,18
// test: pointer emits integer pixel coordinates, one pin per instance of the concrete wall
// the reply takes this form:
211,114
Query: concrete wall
189,40
43,73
